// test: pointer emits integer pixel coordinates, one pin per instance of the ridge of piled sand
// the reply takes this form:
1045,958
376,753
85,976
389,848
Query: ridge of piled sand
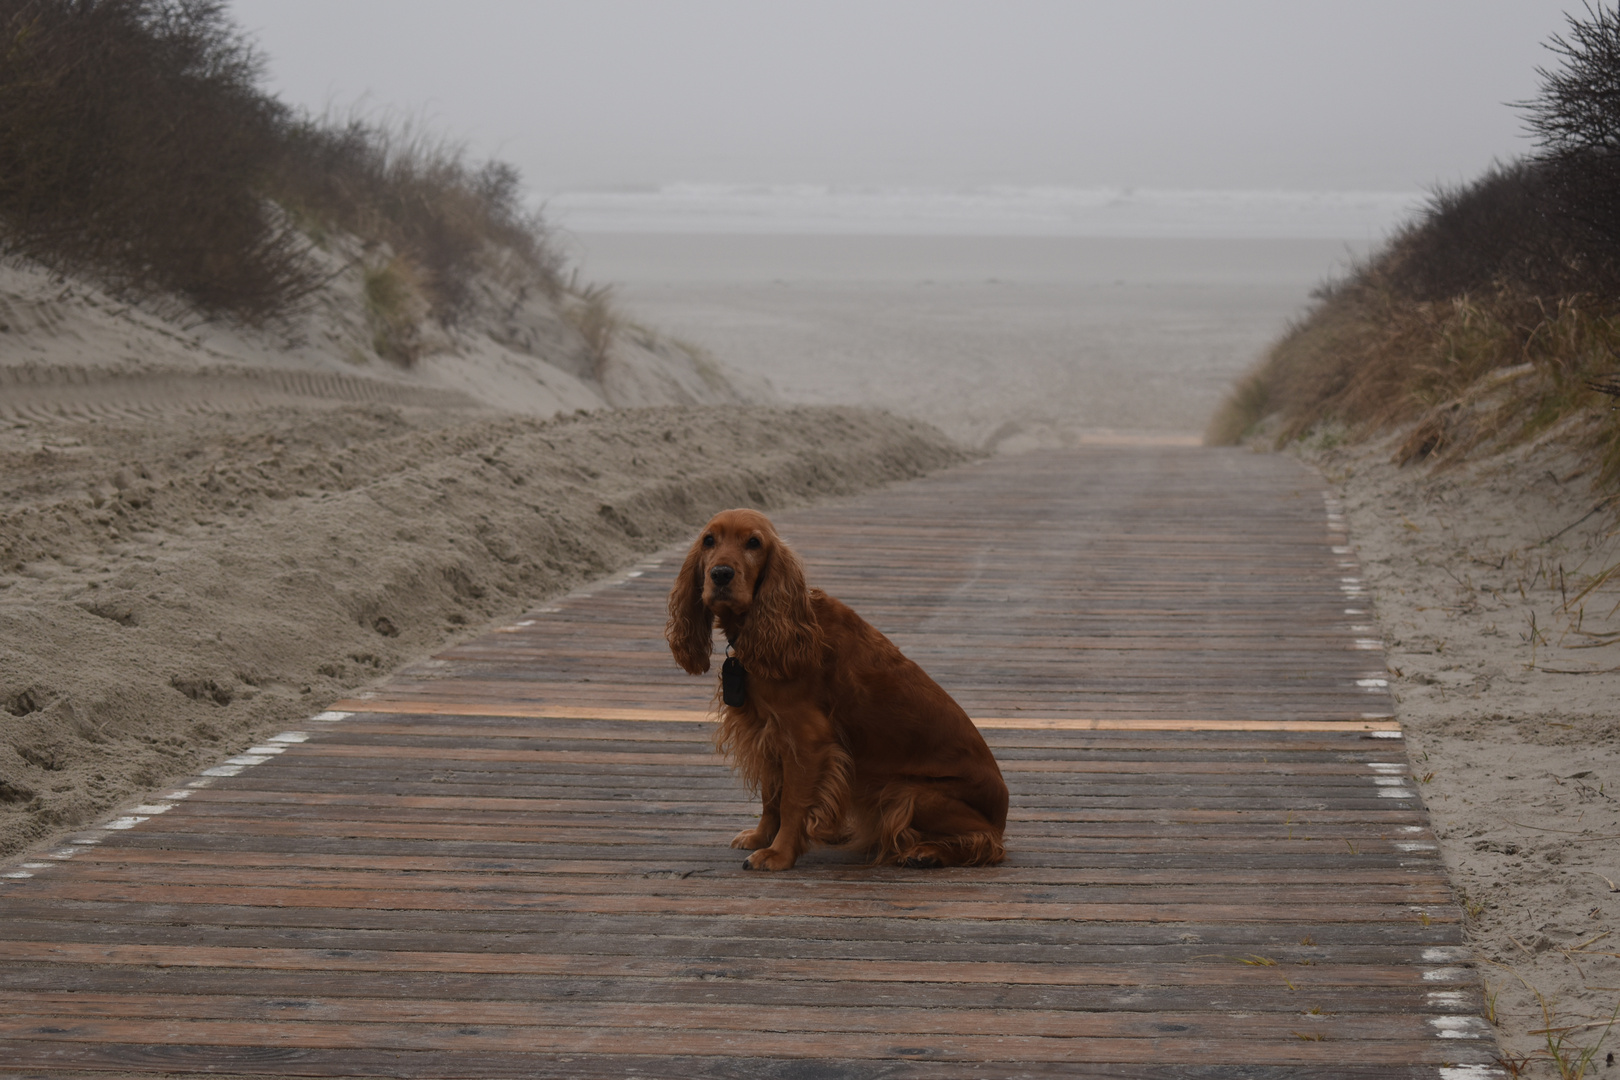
170,593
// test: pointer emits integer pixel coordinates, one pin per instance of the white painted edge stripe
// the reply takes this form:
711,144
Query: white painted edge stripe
1446,954
1449,974
255,755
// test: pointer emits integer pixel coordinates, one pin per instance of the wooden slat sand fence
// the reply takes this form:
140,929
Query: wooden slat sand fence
511,860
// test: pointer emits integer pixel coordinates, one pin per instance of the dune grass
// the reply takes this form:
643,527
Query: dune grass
590,311
1462,372
400,189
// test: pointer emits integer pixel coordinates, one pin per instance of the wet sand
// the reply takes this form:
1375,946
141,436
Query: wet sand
1005,342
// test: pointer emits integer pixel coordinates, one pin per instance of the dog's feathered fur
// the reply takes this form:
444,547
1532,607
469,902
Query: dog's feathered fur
842,736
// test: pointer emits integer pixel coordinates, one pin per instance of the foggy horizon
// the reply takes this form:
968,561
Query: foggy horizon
1254,96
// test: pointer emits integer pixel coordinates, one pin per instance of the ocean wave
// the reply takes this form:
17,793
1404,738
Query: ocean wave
985,211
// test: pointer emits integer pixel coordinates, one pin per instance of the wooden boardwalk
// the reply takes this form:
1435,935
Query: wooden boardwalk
510,861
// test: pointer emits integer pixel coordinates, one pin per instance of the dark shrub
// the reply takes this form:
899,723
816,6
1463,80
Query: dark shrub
1493,231
1548,225
137,145
1576,121
134,141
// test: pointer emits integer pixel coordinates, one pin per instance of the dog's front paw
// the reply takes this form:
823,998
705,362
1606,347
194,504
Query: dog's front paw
750,839
922,857
769,859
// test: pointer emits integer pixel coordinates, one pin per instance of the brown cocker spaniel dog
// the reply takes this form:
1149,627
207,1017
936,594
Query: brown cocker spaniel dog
843,738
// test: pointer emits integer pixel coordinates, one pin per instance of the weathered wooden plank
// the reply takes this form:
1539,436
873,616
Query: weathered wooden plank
506,986
648,846
646,938
464,1064
1393,942
1309,855
522,1026
1107,814
1283,1048
1390,905
1217,971
136,862
748,888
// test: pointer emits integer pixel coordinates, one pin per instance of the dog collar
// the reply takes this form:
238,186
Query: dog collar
733,679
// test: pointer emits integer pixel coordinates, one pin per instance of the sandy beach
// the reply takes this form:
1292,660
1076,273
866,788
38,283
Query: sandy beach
1005,343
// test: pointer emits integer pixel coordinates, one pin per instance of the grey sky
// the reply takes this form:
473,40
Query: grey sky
1368,94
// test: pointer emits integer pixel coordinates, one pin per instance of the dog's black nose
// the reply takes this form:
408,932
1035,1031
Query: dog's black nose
722,575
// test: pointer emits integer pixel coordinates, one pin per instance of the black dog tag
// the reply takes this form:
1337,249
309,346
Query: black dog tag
733,683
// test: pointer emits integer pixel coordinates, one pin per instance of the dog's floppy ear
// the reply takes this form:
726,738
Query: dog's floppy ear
690,630
781,637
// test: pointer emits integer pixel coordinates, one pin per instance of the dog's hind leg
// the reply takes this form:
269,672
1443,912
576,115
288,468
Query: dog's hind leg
942,831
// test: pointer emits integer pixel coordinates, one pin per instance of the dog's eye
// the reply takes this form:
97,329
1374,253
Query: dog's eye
708,540
753,542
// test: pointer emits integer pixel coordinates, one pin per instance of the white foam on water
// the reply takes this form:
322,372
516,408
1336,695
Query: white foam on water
990,210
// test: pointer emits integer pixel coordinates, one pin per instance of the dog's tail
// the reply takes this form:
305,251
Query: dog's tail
917,820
